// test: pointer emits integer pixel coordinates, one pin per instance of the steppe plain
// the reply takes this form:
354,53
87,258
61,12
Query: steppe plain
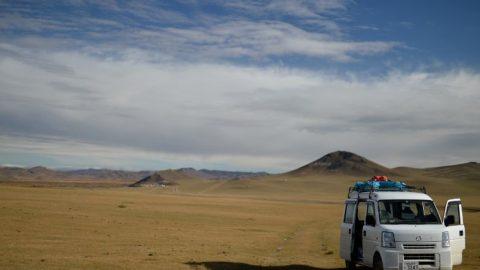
271,222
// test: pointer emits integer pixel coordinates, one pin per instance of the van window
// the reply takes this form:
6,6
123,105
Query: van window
349,210
362,211
407,212
453,210
371,210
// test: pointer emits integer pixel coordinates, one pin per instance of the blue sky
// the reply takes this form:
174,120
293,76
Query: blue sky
250,85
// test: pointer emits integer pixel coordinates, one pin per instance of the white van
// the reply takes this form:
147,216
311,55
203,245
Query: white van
400,229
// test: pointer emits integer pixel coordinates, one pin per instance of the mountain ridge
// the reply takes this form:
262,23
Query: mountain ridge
44,173
334,163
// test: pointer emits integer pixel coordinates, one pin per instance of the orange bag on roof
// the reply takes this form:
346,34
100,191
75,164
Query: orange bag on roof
380,178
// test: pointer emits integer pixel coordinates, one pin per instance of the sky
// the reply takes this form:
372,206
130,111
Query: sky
238,84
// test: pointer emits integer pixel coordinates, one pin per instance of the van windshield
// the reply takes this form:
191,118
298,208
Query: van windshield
407,212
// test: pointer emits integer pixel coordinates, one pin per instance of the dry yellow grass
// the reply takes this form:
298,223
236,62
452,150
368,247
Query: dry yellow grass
274,222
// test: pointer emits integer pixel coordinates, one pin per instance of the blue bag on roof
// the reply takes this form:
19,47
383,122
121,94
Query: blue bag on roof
393,184
378,185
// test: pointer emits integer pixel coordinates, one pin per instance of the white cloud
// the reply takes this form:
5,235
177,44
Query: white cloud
296,8
257,40
251,117
247,29
148,82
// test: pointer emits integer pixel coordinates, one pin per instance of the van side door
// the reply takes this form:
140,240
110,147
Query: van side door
453,219
370,235
347,230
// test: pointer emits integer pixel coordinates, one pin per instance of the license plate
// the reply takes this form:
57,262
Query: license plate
410,265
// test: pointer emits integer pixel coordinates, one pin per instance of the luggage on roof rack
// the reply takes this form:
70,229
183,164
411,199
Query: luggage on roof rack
379,178
363,186
382,183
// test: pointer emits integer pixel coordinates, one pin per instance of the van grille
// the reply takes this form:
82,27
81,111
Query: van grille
430,257
418,246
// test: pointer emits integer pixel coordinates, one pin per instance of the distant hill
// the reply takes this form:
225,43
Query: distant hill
192,174
465,171
407,170
154,180
179,174
218,174
343,162
347,163
45,174
34,173
42,173
108,174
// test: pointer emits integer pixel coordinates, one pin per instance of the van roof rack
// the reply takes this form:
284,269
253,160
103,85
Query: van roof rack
375,184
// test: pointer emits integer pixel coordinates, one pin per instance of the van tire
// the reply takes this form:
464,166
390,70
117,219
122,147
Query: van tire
377,262
350,265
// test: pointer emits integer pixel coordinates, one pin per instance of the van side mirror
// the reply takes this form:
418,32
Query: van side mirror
449,220
370,221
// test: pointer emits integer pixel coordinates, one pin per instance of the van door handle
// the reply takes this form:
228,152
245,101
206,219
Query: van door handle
461,232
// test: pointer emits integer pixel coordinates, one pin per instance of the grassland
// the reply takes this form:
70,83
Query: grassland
278,222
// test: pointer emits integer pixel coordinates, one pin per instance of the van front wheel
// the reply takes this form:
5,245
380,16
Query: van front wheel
350,265
377,263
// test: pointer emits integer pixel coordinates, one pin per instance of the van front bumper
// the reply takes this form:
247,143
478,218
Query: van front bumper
438,258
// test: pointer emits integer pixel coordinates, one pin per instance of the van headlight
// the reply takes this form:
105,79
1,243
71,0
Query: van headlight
445,239
388,239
